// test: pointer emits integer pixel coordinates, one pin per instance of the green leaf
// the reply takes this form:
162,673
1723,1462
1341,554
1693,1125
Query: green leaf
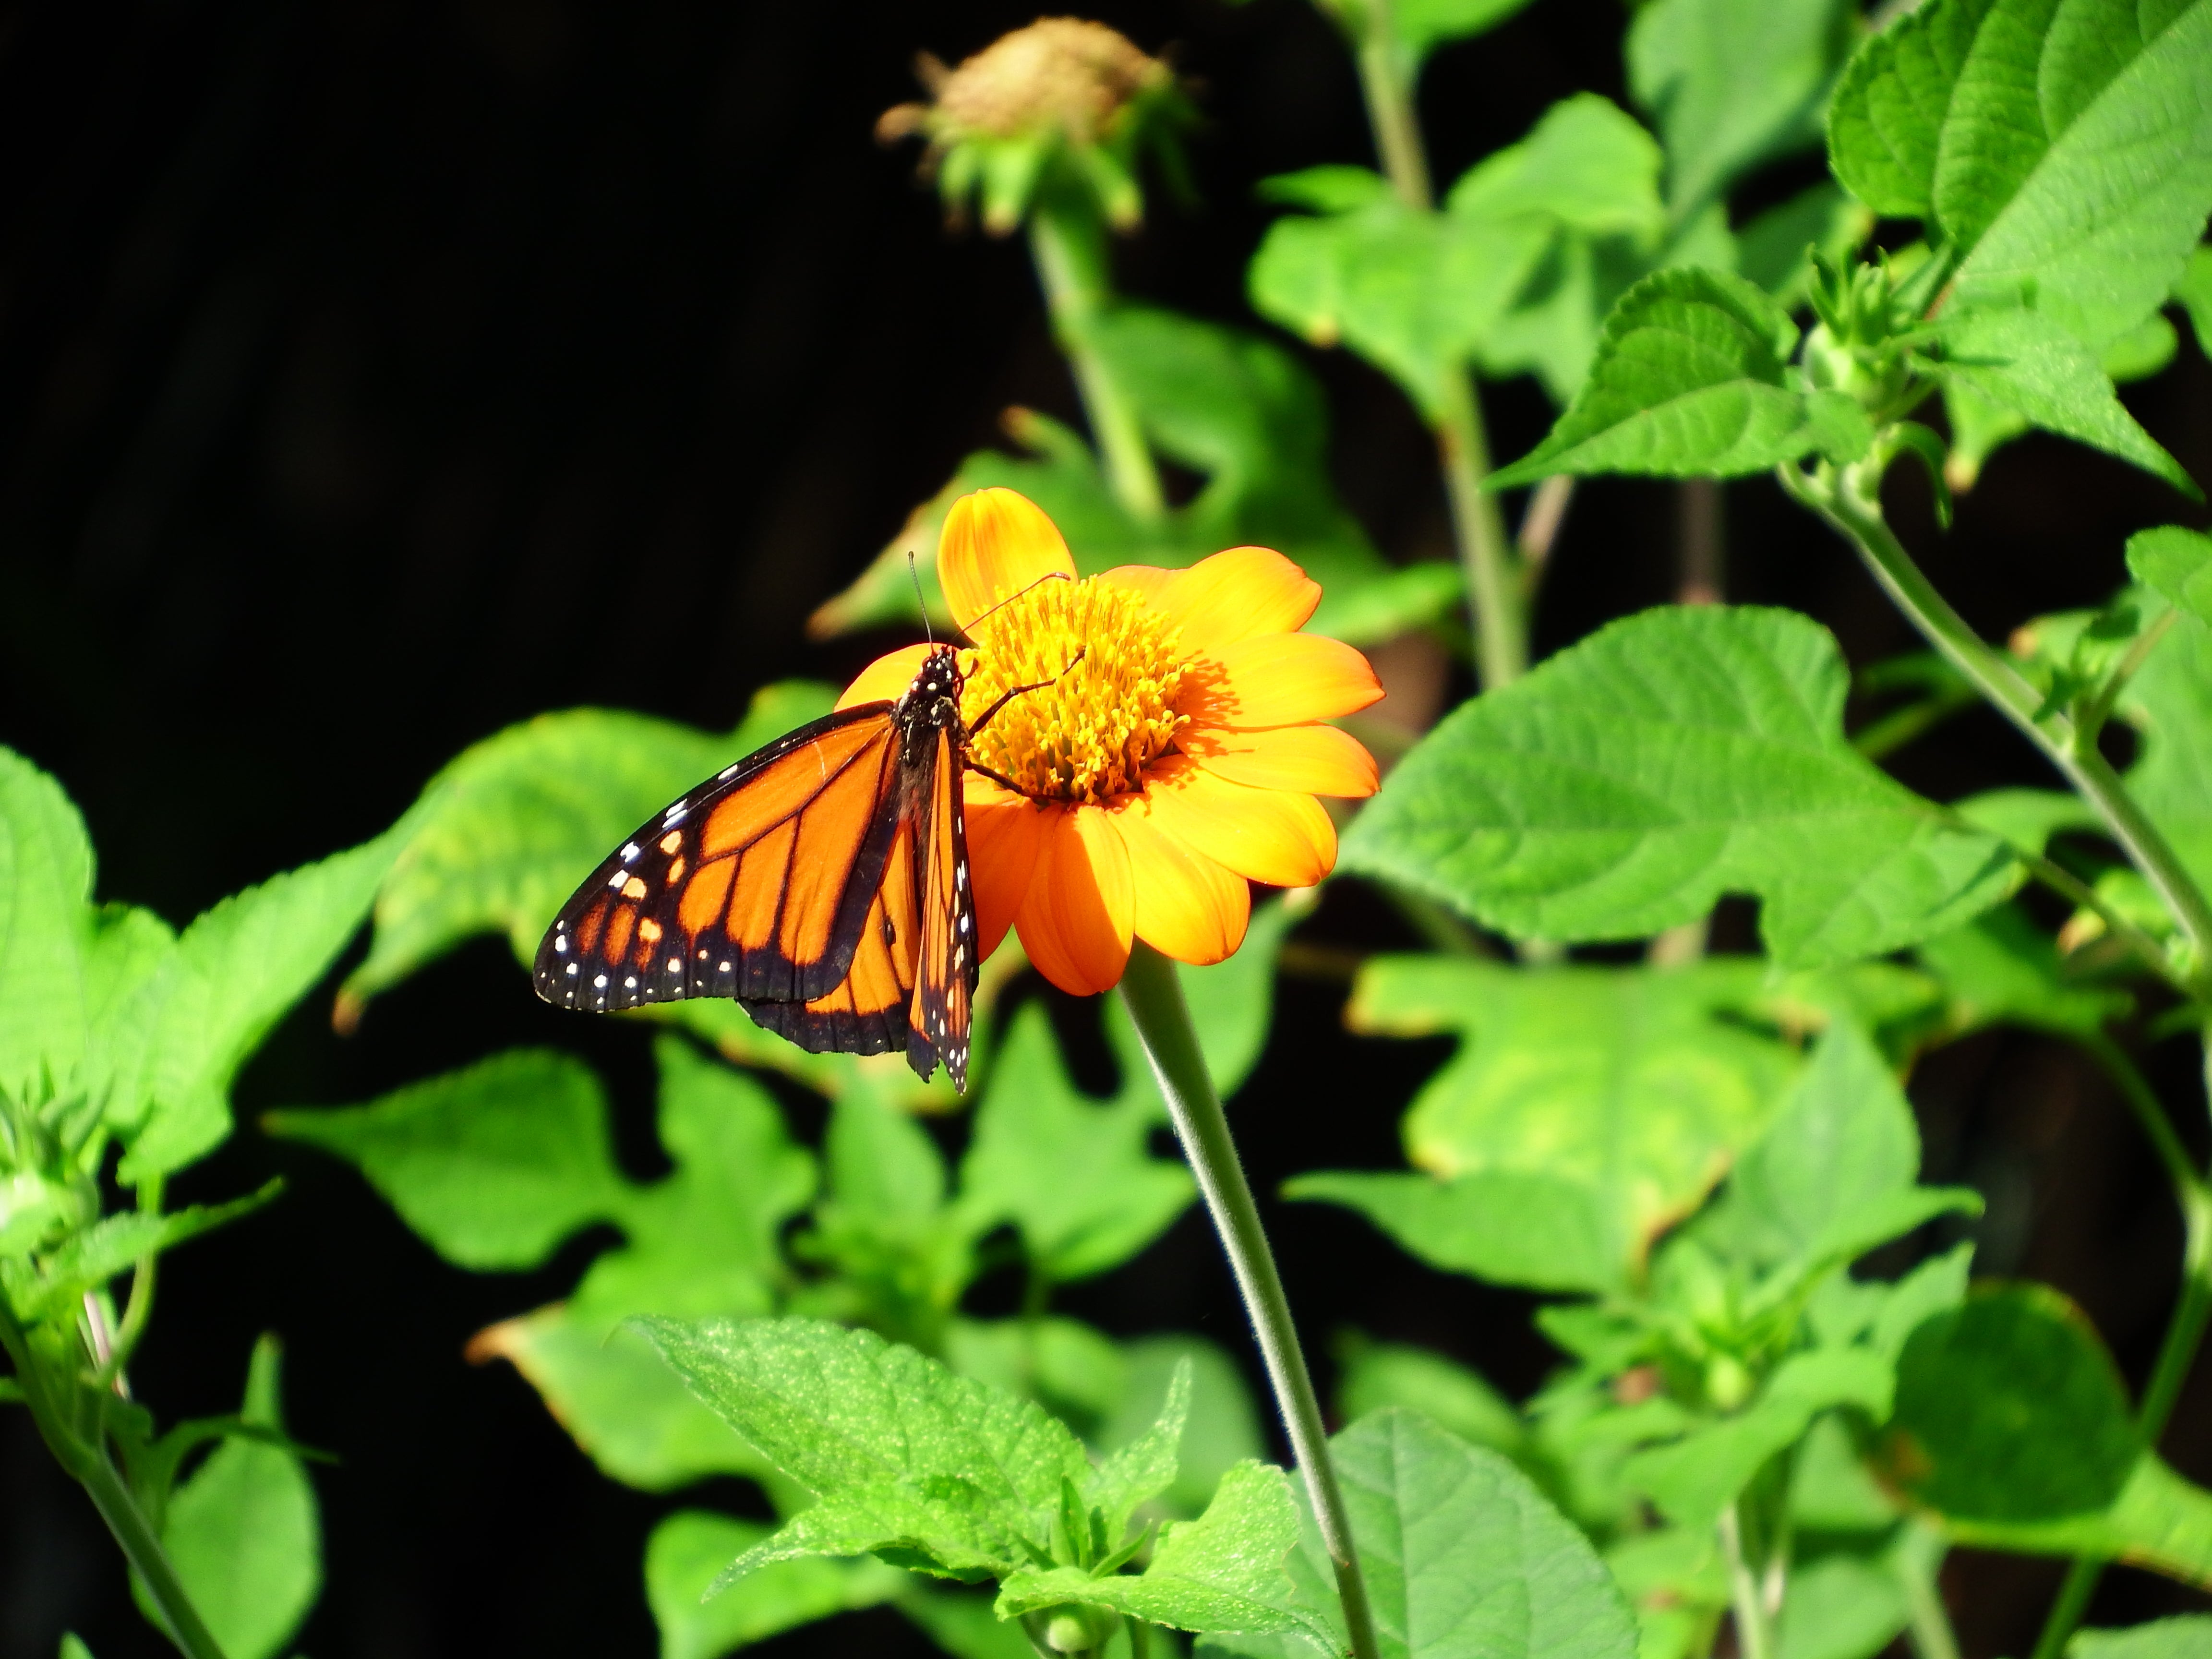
1636,1086
88,1260
2001,968
1841,1607
1689,382
1374,1376
1544,1231
1672,757
1146,1467
2024,362
689,1549
1073,1369
703,1240
507,830
1586,163
1223,1572
234,972
962,1623
932,1469
73,1646
1845,1142
2177,562
628,1412
902,1254
1076,1176
1694,1477
1422,26
1775,250
2170,698
1414,294
2009,1410
1222,1430
492,1165
2187,1637
2159,1521
2064,148
243,1532
2194,290
46,893
1464,1557
1733,83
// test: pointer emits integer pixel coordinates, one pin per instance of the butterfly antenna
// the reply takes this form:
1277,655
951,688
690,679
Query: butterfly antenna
921,599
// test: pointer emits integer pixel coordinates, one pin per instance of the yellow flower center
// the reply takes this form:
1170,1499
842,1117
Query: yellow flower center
1107,668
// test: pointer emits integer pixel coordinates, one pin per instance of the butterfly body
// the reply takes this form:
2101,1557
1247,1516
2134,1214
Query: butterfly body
821,882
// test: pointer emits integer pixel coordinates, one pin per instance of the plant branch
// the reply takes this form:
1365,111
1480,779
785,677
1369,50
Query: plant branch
1540,527
1068,246
1847,500
128,1523
1754,1634
1497,589
2176,1352
2070,887
1918,1556
1155,1001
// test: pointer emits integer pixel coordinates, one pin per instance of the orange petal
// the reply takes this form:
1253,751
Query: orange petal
995,543
1283,679
1309,760
1187,905
1235,595
1075,921
1273,836
886,678
1005,836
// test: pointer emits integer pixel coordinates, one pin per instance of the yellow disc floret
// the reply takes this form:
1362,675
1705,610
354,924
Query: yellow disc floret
1107,669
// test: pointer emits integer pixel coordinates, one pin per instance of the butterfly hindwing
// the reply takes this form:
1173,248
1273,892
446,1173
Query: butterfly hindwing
755,883
945,976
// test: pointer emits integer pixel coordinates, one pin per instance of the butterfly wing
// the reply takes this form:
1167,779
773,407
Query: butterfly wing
945,988
760,883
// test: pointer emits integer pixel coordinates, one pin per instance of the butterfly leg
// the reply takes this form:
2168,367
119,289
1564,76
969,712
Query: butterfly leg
1012,692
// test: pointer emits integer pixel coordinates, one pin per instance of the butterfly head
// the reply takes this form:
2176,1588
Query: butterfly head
935,693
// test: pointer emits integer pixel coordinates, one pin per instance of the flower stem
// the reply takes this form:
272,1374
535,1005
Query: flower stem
1068,246
86,1460
1754,1634
1154,997
1848,501
1497,592
1918,1558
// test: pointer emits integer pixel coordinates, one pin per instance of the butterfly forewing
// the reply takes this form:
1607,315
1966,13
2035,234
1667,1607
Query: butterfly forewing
822,882
755,883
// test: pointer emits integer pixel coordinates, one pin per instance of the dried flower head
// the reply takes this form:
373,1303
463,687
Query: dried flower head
1063,100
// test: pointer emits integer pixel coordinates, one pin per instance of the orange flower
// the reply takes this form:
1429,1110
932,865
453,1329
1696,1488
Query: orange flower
1175,761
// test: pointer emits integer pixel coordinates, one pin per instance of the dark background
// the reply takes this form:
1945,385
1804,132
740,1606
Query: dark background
374,375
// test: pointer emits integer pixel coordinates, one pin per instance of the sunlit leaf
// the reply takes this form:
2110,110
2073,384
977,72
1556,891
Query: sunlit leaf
1222,1430
2187,1637
46,893
1672,757
688,1550
1374,1376
2177,562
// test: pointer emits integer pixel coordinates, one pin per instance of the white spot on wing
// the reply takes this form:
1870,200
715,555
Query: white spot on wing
629,851
600,983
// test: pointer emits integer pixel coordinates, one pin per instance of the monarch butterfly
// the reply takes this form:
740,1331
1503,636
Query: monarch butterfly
821,882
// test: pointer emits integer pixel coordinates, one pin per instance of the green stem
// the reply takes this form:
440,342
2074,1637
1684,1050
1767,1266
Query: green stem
2176,1353
1154,997
1755,1635
1496,590
86,1460
1918,1558
1850,505
128,1523
1069,247
2075,891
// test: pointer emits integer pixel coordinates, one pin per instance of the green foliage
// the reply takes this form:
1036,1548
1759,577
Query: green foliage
1374,1376
2188,1637
1671,757
2064,150
2170,700
688,1550
1733,83
1422,295
1587,1108
1690,381
243,1532
1223,402
2178,563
